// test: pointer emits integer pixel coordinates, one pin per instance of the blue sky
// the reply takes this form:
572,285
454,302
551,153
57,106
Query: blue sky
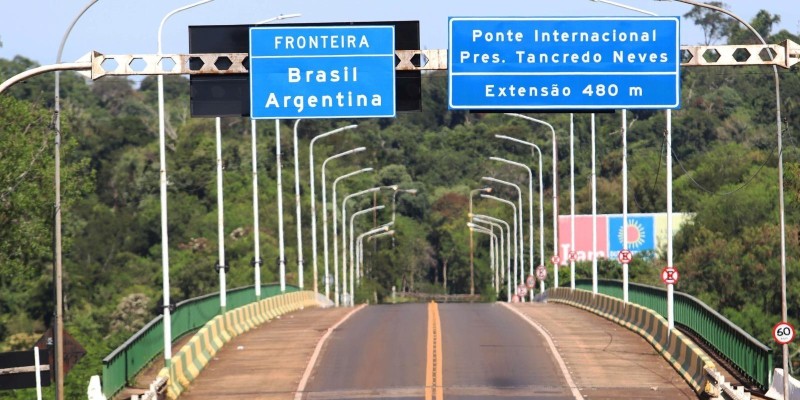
34,28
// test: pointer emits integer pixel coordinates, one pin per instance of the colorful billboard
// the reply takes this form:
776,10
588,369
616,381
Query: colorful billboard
646,232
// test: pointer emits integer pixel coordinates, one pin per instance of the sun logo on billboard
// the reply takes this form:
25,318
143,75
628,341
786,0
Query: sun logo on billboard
636,234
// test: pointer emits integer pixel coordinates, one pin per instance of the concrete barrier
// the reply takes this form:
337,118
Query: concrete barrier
189,361
691,362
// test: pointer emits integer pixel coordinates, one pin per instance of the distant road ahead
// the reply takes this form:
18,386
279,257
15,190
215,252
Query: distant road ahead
486,351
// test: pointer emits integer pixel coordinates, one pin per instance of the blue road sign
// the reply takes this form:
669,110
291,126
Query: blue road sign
322,72
564,63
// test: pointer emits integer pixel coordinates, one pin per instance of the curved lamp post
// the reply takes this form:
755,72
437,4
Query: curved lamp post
555,182
325,214
507,250
344,234
257,261
500,249
354,270
57,281
163,194
335,237
513,207
371,234
508,239
314,200
530,211
535,148
521,234
492,240
472,242
784,310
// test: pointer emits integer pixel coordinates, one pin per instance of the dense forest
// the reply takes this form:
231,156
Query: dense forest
725,171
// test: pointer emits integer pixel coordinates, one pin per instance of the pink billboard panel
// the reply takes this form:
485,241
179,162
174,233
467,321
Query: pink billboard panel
583,237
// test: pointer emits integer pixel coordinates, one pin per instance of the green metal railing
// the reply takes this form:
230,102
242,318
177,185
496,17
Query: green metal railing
749,356
127,360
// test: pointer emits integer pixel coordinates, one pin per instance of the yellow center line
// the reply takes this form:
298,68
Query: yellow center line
434,388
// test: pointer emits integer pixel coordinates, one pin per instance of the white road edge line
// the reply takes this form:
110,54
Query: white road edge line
552,345
298,395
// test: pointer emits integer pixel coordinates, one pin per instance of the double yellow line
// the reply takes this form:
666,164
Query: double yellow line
434,387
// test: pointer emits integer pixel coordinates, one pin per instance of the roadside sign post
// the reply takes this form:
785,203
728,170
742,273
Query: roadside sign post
783,333
669,276
624,256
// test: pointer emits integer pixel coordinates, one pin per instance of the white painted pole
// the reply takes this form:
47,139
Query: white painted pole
594,211
625,202
494,223
336,237
58,370
256,229
298,212
314,208
281,246
571,199
162,162
670,287
325,216
517,251
38,372
220,220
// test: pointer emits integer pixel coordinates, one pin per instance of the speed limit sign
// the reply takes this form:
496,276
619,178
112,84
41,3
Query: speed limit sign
522,290
783,332
530,281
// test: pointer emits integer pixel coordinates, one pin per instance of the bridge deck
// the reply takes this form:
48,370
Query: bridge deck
606,360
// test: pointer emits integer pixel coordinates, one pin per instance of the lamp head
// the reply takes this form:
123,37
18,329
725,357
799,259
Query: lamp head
411,191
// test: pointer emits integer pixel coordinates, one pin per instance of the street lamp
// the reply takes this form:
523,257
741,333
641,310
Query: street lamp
335,237
254,161
500,249
530,210
163,193
541,208
371,234
314,201
325,214
354,268
344,233
784,311
507,252
555,183
472,243
360,245
521,234
57,278
513,207
492,239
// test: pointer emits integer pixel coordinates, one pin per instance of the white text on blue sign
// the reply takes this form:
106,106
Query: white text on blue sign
564,63
322,72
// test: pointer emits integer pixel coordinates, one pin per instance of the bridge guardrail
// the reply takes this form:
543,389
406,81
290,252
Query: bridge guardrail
127,360
747,354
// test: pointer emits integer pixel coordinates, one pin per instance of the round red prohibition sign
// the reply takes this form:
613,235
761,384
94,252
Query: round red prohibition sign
530,281
573,255
669,276
624,256
541,272
555,259
783,332
522,290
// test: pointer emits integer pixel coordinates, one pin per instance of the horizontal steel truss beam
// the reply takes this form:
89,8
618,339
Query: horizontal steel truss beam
784,55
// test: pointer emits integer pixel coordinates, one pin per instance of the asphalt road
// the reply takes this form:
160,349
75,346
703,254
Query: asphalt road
488,352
